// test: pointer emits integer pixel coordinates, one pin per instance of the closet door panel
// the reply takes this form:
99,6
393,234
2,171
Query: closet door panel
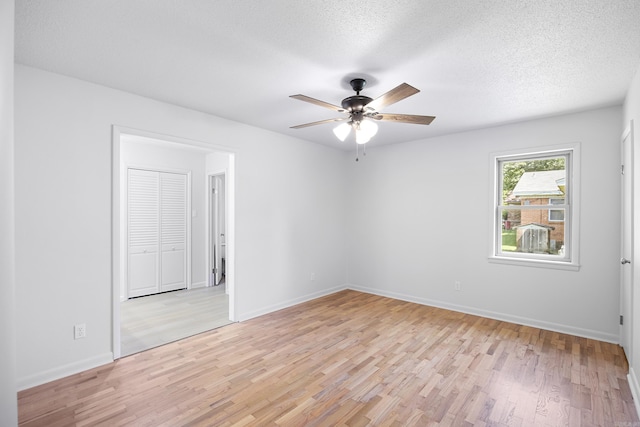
173,237
143,272
173,271
143,232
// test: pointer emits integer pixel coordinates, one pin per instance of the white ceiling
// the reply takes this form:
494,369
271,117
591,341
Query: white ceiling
478,63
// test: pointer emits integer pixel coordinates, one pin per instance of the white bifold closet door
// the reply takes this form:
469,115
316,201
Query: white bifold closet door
157,232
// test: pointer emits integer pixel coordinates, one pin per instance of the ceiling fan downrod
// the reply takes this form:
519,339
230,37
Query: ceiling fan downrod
358,84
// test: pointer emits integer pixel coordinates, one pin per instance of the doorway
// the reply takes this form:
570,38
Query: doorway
627,244
217,226
193,307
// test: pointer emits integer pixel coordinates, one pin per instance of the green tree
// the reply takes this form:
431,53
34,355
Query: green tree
512,171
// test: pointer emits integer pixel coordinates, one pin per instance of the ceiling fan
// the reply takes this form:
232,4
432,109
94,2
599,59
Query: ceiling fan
362,111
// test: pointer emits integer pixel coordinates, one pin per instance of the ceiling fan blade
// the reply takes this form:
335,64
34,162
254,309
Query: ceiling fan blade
340,119
406,118
394,95
317,102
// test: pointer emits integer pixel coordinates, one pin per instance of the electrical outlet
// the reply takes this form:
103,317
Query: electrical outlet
79,331
313,276
457,286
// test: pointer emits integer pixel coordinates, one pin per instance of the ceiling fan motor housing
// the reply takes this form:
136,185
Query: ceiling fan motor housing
355,104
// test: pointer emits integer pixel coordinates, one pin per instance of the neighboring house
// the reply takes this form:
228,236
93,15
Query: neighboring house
540,230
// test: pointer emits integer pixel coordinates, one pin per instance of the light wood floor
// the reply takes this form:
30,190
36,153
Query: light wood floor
351,359
154,320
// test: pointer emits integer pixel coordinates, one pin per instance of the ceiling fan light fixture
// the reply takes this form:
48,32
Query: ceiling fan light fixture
342,131
365,130
369,127
361,137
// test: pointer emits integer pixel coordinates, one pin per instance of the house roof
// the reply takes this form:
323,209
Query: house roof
541,183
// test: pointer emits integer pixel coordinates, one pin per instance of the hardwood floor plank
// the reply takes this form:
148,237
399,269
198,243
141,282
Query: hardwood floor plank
351,359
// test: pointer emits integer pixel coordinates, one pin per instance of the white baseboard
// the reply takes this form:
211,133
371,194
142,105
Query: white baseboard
103,359
289,303
556,327
63,371
199,285
634,385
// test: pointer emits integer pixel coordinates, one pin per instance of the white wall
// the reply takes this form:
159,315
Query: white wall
632,112
141,152
415,218
8,406
217,162
421,218
289,195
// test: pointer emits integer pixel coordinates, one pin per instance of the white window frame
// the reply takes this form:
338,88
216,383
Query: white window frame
553,210
571,206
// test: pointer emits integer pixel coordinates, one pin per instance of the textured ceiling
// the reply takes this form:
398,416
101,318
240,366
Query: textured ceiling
477,63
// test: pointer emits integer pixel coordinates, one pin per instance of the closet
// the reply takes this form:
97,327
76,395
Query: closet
156,231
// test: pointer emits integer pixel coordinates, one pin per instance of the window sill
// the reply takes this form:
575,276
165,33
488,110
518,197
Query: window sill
539,263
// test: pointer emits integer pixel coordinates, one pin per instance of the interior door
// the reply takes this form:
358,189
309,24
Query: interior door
216,205
626,273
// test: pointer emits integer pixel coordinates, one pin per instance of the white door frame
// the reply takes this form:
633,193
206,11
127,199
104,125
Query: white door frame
627,240
117,228
212,217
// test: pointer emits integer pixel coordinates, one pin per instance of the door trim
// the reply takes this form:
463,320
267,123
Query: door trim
117,132
627,295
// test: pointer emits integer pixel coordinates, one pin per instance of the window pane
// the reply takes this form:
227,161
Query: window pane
556,215
533,182
534,208
524,231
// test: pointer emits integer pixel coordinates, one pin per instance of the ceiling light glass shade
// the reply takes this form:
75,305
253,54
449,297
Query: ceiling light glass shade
342,131
362,137
365,130
369,128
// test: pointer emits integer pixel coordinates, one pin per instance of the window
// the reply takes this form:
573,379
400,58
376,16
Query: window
556,215
535,208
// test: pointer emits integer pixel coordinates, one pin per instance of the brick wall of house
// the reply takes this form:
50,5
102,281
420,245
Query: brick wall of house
541,217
